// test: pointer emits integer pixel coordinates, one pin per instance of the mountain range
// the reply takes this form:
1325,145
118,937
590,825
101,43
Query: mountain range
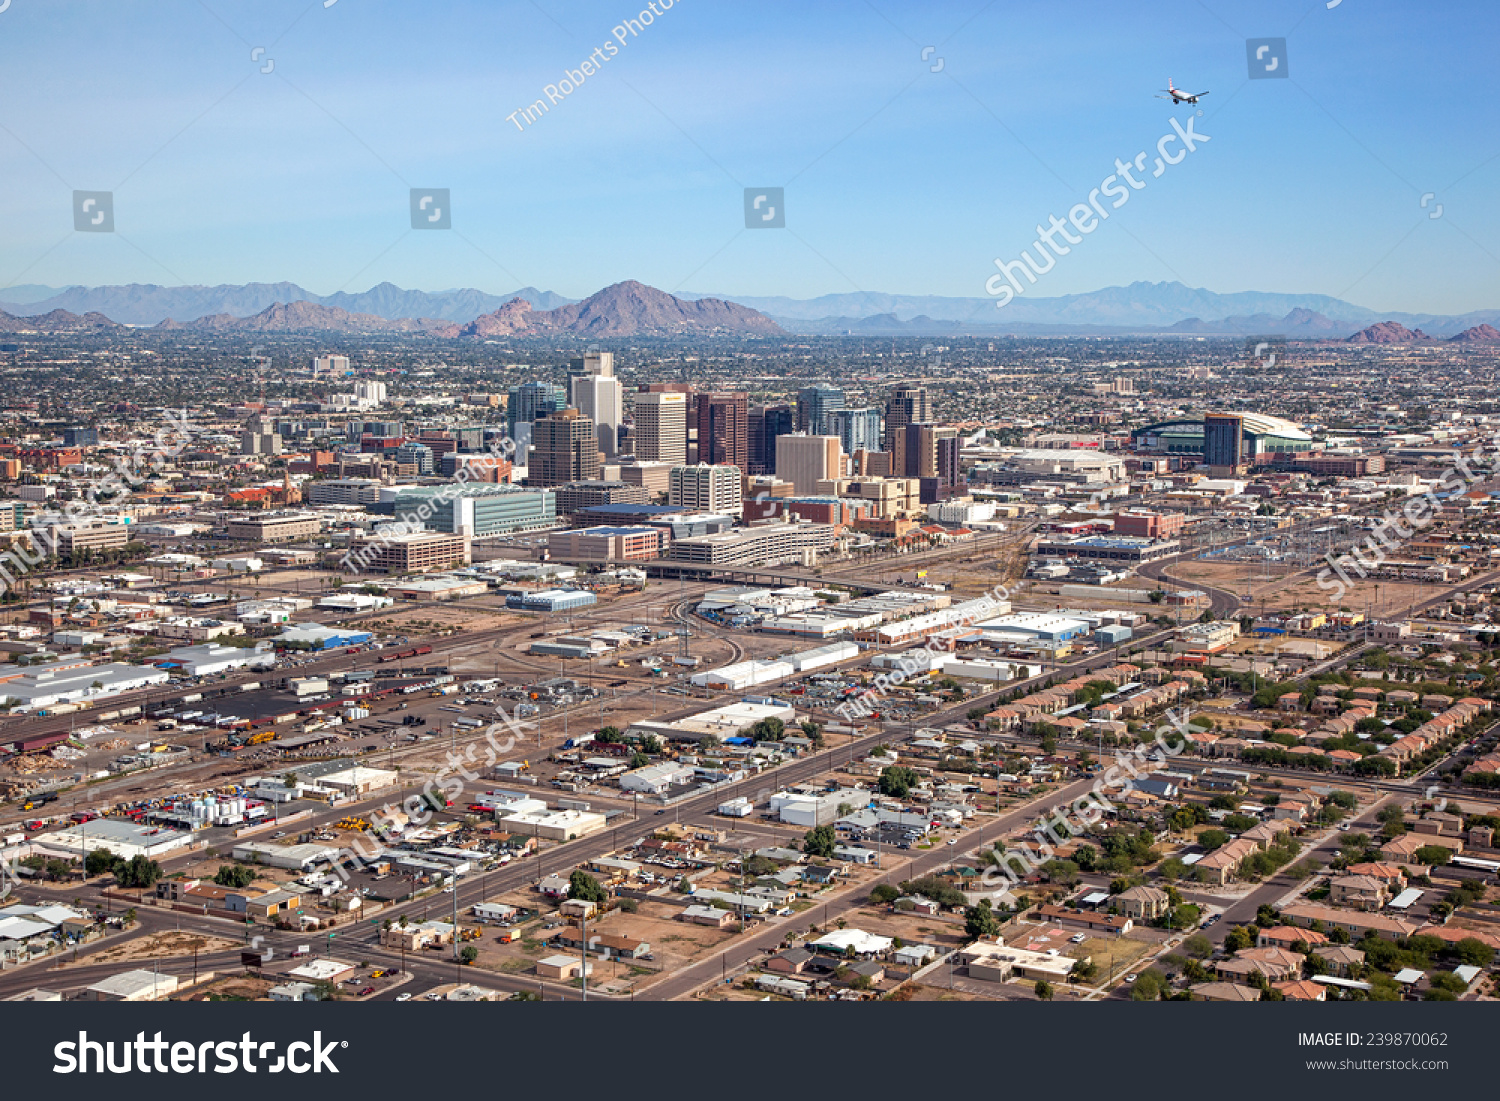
629,308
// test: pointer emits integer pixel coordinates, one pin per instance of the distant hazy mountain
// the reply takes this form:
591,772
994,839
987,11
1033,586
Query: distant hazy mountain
56,321
1140,304
1167,307
624,309
24,293
283,317
149,304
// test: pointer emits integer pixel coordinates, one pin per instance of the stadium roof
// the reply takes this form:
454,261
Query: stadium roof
1260,423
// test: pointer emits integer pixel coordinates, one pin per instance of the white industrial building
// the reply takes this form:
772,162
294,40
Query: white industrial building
124,839
134,986
957,615
809,809
655,779
201,661
555,825
297,858
750,674
715,725
35,686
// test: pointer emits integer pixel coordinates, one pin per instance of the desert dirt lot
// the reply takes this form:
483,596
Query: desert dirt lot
673,944
1380,598
169,944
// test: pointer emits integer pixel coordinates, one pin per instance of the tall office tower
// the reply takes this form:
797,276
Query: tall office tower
260,437
418,454
857,429
907,405
1223,443
660,433
707,488
596,393
813,406
723,429
949,449
931,451
764,424
807,460
527,402
369,394
329,365
565,449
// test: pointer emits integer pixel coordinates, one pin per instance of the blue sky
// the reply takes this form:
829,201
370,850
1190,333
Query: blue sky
897,178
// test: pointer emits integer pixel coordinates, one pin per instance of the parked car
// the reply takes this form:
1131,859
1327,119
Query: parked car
403,997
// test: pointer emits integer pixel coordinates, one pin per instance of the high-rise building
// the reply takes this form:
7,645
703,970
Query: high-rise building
707,488
813,406
660,433
565,449
417,454
723,429
330,365
807,460
260,437
764,424
1223,442
369,394
930,451
528,401
595,392
907,405
80,437
857,429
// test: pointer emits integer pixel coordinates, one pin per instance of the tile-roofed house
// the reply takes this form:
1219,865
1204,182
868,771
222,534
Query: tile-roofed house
1360,892
1301,990
1340,958
1288,937
1224,992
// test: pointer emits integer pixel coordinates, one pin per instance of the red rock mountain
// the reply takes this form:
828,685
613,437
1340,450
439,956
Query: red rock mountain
624,309
1388,332
1477,335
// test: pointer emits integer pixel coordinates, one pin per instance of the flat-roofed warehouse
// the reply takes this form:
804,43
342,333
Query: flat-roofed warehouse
715,725
346,778
124,839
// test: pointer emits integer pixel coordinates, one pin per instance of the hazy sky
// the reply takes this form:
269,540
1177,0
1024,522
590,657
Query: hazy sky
897,178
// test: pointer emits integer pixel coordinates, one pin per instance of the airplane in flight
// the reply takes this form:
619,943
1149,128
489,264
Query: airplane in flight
1177,95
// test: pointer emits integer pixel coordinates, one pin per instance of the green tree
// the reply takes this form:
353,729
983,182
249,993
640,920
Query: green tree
884,894
1148,986
583,886
1241,936
234,875
1436,855
1198,946
468,953
980,921
897,781
99,862
138,872
1043,990
819,841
